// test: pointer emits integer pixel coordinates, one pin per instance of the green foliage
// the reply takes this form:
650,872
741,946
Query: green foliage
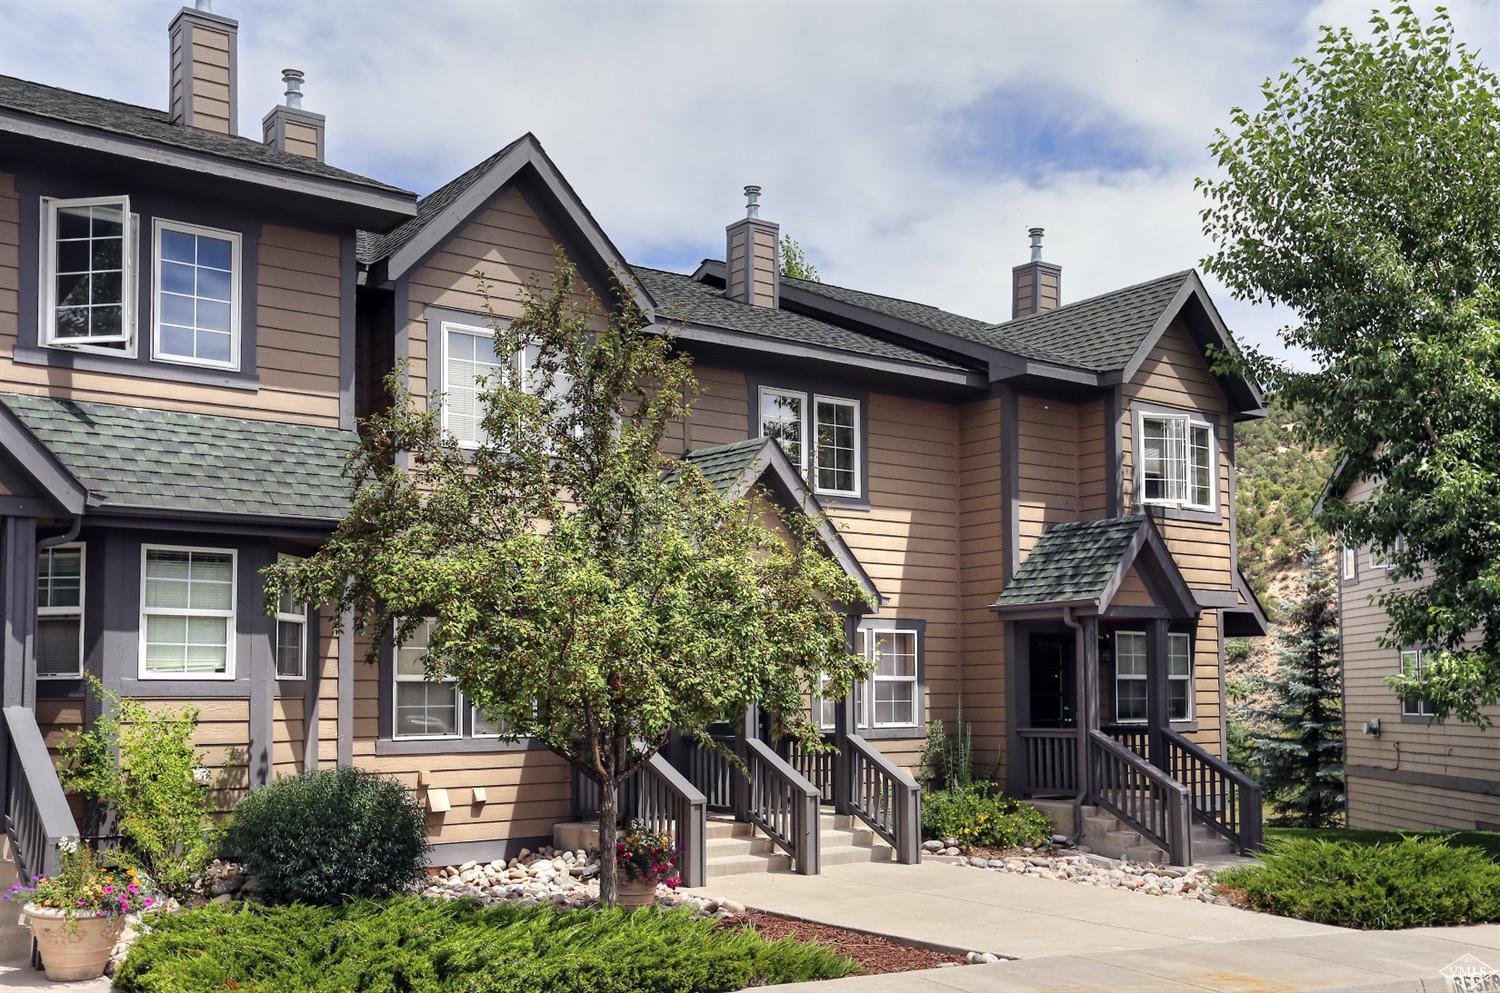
948,760
587,591
1486,841
425,946
794,261
83,887
140,764
330,835
978,814
1299,758
1361,198
1413,882
1279,477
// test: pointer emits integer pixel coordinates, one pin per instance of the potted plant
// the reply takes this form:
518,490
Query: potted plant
77,915
646,859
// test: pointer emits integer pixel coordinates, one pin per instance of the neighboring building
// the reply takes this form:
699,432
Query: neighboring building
1041,510
1402,768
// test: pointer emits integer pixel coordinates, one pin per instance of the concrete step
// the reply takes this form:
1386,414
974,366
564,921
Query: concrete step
719,828
1060,812
739,865
745,844
846,854
1145,853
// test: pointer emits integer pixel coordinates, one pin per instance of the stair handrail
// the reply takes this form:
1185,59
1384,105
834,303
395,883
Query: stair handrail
784,804
662,798
1167,824
37,817
886,798
1246,829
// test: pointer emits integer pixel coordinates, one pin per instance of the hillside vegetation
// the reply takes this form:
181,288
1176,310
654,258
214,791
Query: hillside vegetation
1278,482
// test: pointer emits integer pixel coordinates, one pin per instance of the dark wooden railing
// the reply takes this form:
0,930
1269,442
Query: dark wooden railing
37,816
1050,760
663,800
886,798
783,804
1225,799
707,769
1136,737
816,766
1141,795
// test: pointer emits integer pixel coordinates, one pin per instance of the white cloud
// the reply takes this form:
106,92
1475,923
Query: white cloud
855,118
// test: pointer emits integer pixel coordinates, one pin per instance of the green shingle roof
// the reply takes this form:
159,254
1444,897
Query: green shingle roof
920,314
131,457
724,465
1072,562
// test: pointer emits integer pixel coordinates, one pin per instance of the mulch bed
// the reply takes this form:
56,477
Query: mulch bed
875,954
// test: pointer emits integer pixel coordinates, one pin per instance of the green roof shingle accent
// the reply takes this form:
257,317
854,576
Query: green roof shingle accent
170,461
1072,562
724,465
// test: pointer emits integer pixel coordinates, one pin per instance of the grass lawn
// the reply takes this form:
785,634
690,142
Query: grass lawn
414,945
1489,841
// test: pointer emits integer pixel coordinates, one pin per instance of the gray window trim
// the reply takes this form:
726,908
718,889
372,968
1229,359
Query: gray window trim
811,387
1139,408
1406,716
919,729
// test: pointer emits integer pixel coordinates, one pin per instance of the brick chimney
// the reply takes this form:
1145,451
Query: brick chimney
204,93
1036,285
289,127
752,256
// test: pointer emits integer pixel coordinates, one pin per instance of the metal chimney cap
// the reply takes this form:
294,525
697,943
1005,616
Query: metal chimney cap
206,6
1036,243
752,201
293,79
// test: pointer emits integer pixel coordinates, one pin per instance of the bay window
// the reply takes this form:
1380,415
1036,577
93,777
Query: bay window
820,434
59,610
88,269
187,613
196,319
1130,677
1177,461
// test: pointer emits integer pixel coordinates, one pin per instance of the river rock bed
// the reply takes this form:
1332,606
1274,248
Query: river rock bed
1192,883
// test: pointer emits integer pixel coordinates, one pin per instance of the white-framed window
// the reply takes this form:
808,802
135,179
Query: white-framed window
1411,667
88,259
1179,676
59,612
423,707
1130,677
196,317
469,360
889,698
1178,461
820,434
187,612
1382,559
1348,563
291,635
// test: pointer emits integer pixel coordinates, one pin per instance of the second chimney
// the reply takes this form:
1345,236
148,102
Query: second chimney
752,256
203,90
1035,285
289,127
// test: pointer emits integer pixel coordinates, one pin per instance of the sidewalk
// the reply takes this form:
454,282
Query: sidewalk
1071,937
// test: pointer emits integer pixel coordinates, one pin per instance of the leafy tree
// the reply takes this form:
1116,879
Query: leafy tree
1300,758
585,590
1362,198
794,261
1279,479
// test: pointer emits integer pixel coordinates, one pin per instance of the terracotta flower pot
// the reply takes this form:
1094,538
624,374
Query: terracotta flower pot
634,893
73,950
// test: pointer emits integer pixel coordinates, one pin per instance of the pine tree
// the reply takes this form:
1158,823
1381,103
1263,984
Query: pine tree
1302,752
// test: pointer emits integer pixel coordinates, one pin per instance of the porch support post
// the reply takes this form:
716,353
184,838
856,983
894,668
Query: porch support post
1015,758
344,702
17,659
843,726
748,727
1088,696
1156,690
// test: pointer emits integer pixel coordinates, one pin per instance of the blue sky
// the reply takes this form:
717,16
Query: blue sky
908,147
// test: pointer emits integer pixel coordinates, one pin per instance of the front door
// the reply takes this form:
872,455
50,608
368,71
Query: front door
1053,681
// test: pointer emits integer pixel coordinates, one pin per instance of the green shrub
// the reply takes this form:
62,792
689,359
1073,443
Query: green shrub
140,764
980,815
330,835
427,946
1413,882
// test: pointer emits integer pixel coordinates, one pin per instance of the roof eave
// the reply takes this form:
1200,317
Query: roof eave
44,469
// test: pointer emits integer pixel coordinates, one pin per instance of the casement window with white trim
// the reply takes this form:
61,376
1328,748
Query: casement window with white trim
423,706
1177,461
820,434
1411,668
291,635
88,259
889,697
1130,677
196,317
59,612
187,612
1179,676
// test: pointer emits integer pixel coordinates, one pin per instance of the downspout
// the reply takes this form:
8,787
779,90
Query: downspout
61,539
1077,834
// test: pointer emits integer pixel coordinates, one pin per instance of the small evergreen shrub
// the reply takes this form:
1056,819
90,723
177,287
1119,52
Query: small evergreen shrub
429,946
329,836
980,815
1414,882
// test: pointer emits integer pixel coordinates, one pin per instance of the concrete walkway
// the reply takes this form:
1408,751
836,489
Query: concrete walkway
1068,936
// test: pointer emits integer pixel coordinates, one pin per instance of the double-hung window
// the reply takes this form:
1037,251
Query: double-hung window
88,273
187,613
425,707
888,698
59,609
1348,563
291,637
1130,677
1411,668
1178,460
196,317
469,362
1179,676
820,434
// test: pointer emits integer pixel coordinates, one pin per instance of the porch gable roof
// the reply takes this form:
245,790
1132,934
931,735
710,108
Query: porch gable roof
1082,564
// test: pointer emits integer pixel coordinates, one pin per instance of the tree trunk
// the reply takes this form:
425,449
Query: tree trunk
608,832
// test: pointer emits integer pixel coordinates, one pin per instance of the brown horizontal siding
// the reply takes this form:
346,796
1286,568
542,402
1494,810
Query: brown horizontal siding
1375,803
982,572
